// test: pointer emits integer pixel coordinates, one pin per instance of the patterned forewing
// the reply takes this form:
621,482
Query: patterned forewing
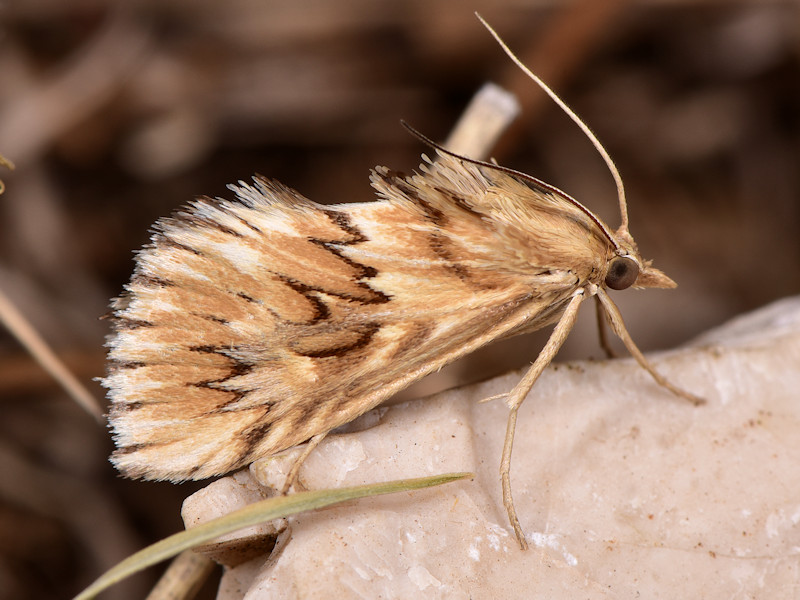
250,326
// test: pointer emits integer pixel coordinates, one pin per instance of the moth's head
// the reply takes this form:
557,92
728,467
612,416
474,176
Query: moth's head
626,268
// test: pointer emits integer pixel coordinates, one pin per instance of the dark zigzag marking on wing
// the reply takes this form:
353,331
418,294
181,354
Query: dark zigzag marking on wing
162,239
149,281
399,180
115,364
214,318
436,241
247,298
237,368
229,208
122,323
363,271
256,433
458,201
127,407
321,310
191,218
366,333
122,451
252,436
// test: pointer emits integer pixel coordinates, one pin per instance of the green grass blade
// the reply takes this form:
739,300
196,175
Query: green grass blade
258,512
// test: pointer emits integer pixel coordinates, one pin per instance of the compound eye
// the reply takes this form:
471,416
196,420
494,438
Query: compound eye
622,273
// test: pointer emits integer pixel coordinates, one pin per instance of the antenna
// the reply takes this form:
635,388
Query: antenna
623,206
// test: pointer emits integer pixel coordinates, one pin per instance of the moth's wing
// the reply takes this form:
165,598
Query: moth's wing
250,326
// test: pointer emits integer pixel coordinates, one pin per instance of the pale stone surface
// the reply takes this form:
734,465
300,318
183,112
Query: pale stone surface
220,498
624,491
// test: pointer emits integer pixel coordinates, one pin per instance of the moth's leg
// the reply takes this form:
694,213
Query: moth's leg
495,397
601,329
505,479
520,392
618,326
291,477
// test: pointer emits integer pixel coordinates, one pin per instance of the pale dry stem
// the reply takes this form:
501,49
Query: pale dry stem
27,335
183,579
488,115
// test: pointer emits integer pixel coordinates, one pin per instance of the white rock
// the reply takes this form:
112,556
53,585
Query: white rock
624,490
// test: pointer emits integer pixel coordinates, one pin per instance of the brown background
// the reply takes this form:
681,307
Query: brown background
116,117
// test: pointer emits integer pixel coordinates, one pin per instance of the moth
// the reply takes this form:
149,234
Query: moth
259,323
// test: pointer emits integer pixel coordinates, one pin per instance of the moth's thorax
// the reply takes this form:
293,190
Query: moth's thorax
492,220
